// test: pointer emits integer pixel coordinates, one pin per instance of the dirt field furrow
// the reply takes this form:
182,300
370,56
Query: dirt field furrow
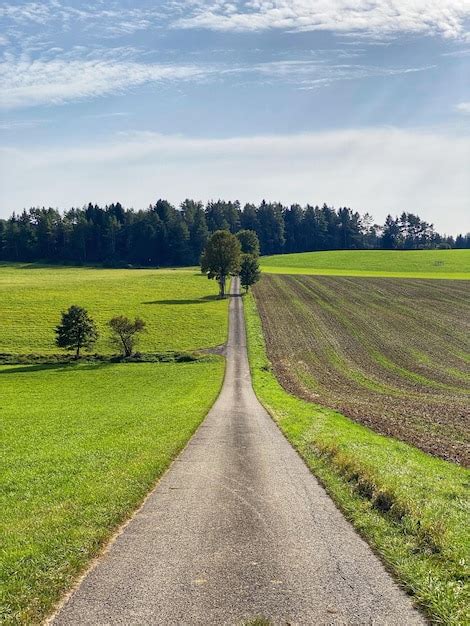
392,354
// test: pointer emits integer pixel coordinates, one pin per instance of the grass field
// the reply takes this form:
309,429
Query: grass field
392,354
450,264
179,306
413,508
82,444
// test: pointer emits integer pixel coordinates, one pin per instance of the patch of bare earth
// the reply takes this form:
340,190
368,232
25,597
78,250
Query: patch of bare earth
393,354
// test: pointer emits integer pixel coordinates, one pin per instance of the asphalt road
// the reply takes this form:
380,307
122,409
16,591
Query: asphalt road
238,528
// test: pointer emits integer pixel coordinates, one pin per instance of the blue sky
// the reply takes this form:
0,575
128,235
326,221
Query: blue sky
363,103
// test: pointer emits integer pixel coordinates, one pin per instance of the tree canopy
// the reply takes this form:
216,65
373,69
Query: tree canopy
249,242
221,258
125,332
76,330
249,271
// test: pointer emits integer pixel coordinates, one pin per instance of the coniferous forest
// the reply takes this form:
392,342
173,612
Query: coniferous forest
164,235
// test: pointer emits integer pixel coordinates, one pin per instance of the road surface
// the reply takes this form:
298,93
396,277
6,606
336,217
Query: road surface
238,528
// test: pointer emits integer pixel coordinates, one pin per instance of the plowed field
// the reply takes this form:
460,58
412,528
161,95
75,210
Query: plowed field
393,354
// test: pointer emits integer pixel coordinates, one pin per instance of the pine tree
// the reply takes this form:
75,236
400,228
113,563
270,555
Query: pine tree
76,330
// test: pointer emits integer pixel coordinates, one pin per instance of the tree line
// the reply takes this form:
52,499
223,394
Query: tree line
165,235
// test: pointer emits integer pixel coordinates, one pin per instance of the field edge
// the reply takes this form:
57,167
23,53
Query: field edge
311,271
365,497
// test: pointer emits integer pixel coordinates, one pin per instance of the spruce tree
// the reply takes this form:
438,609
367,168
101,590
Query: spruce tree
76,330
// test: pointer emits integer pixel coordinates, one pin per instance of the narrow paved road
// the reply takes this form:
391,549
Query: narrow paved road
238,528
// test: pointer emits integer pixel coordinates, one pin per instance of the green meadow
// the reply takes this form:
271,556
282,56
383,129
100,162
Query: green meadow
449,264
83,443
180,307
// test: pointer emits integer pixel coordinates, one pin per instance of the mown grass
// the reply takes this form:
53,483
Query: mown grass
82,444
180,307
450,264
411,507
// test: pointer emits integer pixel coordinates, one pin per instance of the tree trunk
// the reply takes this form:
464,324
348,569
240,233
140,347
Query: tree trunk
222,286
77,353
124,347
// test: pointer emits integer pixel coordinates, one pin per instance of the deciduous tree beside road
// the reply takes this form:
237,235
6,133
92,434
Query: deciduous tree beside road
221,258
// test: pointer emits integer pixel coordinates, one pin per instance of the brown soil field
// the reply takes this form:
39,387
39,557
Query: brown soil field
393,354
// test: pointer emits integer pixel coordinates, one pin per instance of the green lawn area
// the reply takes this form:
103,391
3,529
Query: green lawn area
411,507
180,307
82,444
392,263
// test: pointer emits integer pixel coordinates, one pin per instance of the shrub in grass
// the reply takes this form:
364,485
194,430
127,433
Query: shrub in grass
125,333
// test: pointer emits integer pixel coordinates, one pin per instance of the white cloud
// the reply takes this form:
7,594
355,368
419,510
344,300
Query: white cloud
57,77
25,83
35,27
18,125
312,74
36,12
107,114
380,170
461,53
115,20
378,18
463,107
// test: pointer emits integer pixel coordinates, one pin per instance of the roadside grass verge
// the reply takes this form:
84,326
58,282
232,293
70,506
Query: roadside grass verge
411,507
82,444
180,307
449,264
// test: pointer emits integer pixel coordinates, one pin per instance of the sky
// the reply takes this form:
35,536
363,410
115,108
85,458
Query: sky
359,103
